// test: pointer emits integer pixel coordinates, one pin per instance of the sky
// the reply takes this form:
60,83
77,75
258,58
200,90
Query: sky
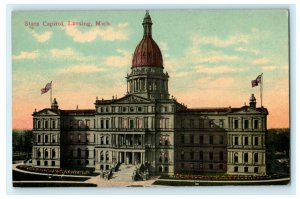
211,57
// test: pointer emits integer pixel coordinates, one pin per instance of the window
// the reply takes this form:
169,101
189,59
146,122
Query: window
182,165
53,153
39,154
160,169
255,124
46,124
107,124
38,163
246,124
86,153
211,139
246,157
221,156
191,123
79,162
79,138
201,155
46,163
101,124
255,169
211,166
182,155
236,124
236,140
192,155
166,109
246,169
140,109
38,124
87,162
46,138
236,169
107,156
53,124
124,109
79,153
182,123
221,139
107,140
46,154
192,139
246,141
101,156
166,157
53,139
166,169
255,157
101,140
211,124
201,123
256,141
131,124
221,166
236,158
182,139
131,109
211,155
201,139
39,138
221,123
160,159
52,163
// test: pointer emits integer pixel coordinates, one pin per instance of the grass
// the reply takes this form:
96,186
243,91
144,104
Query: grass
19,176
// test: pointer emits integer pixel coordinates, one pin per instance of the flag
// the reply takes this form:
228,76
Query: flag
47,88
256,81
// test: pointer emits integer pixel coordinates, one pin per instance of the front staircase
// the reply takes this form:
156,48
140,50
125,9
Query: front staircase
124,173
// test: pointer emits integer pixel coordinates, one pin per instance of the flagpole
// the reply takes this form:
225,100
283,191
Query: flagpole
51,95
261,90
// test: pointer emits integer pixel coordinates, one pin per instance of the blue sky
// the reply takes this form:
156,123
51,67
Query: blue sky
211,57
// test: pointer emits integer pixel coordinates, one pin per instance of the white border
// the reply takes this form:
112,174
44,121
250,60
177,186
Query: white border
5,84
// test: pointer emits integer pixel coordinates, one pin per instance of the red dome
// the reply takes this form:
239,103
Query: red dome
147,53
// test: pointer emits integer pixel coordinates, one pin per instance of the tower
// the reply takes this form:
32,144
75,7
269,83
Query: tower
252,101
147,78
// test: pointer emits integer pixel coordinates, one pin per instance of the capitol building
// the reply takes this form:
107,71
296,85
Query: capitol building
149,127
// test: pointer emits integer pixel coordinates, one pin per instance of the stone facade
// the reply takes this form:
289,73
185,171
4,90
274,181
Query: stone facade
149,127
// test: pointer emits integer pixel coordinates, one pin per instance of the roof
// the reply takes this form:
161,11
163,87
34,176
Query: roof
220,110
78,112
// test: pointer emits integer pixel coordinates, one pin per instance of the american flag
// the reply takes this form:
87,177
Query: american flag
256,81
47,88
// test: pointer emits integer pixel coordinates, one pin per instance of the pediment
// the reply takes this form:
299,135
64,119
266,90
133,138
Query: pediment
246,110
45,112
132,99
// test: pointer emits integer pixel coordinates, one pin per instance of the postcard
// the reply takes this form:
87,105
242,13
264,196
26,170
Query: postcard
147,98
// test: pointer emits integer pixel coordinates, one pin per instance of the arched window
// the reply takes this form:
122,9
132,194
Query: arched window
46,154
107,139
236,158
39,154
101,156
107,156
166,142
53,153
166,157
79,152
160,169
246,157
182,155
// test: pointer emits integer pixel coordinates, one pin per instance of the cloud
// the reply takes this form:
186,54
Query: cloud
26,55
108,34
216,41
43,37
213,57
69,53
83,68
241,49
218,69
269,68
261,61
118,61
